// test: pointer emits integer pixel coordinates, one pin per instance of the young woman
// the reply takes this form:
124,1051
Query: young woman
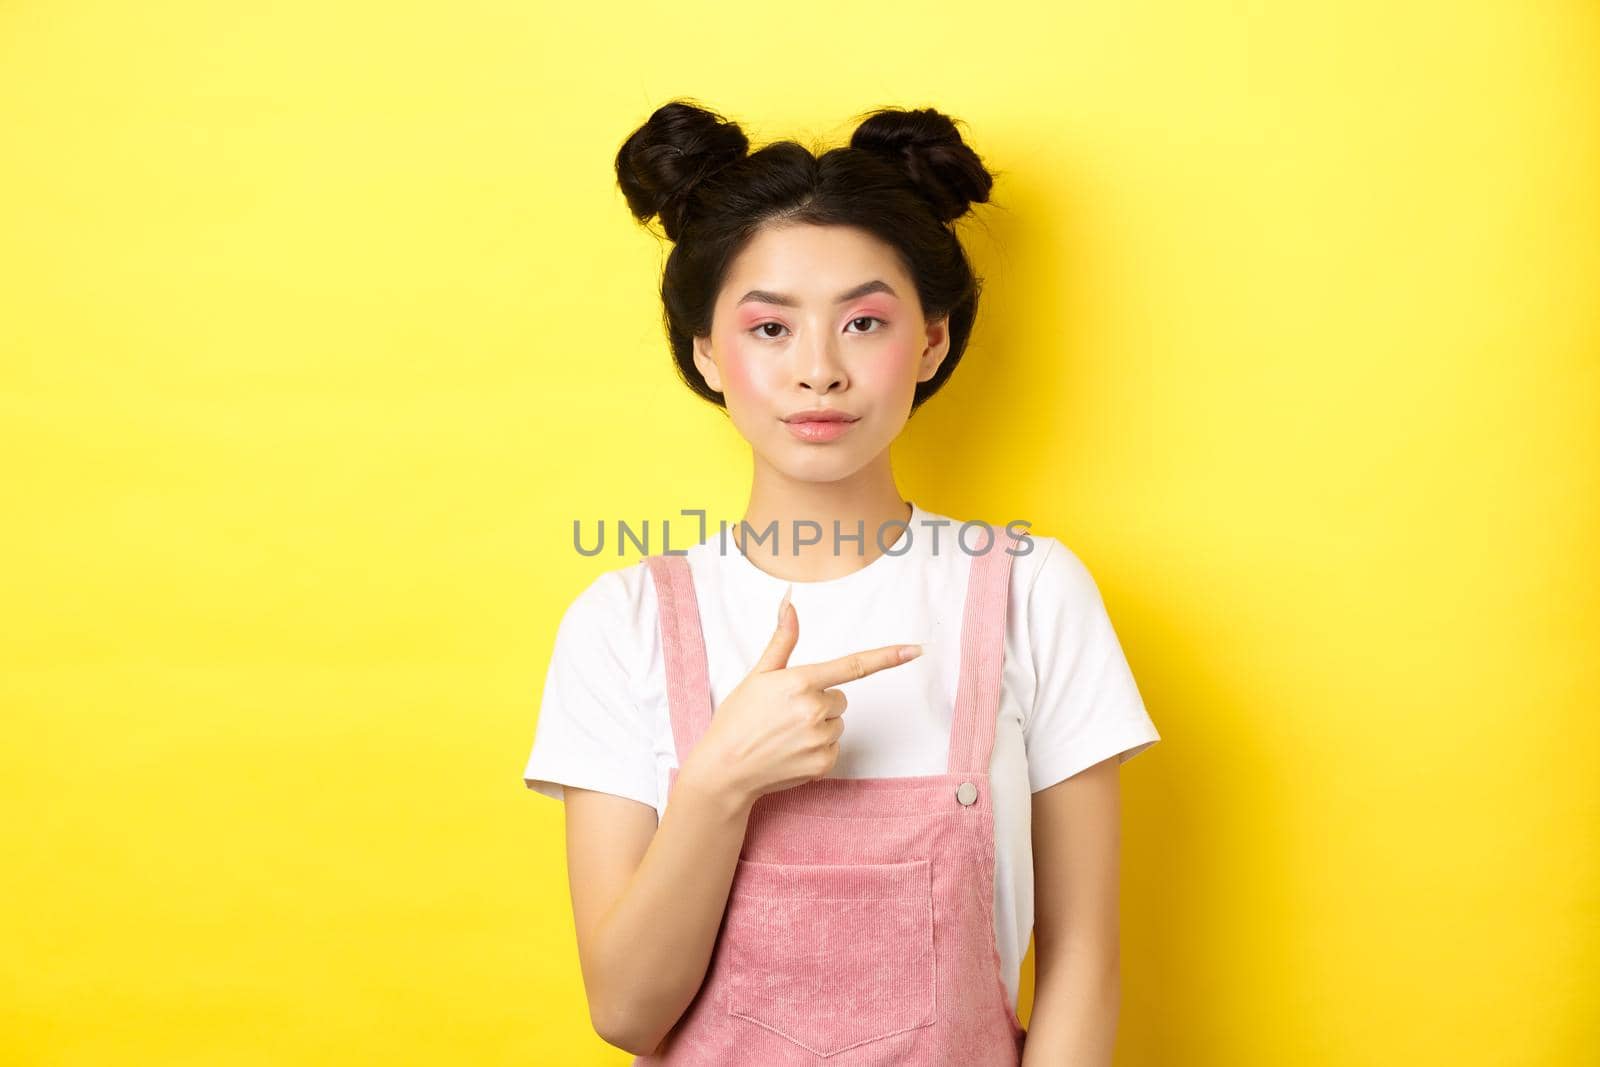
827,769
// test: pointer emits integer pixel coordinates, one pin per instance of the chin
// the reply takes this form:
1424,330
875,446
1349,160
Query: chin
818,463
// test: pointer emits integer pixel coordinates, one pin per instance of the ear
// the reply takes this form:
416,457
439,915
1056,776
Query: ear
705,364
938,346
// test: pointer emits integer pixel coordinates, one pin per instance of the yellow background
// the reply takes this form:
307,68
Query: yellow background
321,323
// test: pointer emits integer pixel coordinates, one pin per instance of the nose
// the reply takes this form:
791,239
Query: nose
819,368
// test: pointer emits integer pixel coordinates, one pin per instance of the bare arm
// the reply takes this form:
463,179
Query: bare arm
1078,985
647,901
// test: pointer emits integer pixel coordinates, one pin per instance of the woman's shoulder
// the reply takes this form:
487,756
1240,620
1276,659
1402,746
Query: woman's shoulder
1044,566
1033,551
1059,573
615,604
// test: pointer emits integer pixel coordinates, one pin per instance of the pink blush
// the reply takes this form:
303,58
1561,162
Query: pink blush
889,364
735,373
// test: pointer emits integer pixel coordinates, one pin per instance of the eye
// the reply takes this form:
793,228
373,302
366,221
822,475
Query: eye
760,329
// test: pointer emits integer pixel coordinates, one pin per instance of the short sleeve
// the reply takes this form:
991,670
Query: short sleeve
591,732
1086,706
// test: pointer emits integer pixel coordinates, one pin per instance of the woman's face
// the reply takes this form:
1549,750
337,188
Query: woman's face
819,317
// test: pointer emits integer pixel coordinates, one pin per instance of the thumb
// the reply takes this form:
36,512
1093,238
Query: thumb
776,655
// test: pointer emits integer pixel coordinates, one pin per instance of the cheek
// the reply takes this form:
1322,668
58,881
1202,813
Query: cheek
746,369
892,365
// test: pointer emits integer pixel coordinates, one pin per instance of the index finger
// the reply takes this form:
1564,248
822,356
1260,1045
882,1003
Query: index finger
856,665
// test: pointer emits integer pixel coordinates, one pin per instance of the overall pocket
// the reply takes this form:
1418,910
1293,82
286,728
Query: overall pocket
831,956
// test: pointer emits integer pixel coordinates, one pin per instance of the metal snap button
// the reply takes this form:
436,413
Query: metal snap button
967,793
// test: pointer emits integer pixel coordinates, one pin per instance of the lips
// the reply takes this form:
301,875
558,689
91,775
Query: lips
820,425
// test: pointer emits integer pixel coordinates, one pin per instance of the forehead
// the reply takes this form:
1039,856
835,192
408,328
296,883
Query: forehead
813,262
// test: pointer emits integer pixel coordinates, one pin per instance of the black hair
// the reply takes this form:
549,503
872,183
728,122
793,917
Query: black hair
905,177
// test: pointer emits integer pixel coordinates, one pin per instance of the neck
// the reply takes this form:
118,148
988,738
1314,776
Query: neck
782,511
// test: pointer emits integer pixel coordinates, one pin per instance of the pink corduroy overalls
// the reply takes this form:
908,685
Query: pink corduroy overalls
860,922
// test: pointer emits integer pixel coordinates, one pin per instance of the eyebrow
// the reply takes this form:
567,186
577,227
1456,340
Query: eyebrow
785,300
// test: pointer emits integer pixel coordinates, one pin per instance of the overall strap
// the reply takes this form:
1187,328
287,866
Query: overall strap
983,638
683,651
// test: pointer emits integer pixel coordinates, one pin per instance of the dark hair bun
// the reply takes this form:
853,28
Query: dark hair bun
662,161
926,145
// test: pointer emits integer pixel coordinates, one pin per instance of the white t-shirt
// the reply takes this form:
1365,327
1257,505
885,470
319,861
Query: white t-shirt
1068,698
